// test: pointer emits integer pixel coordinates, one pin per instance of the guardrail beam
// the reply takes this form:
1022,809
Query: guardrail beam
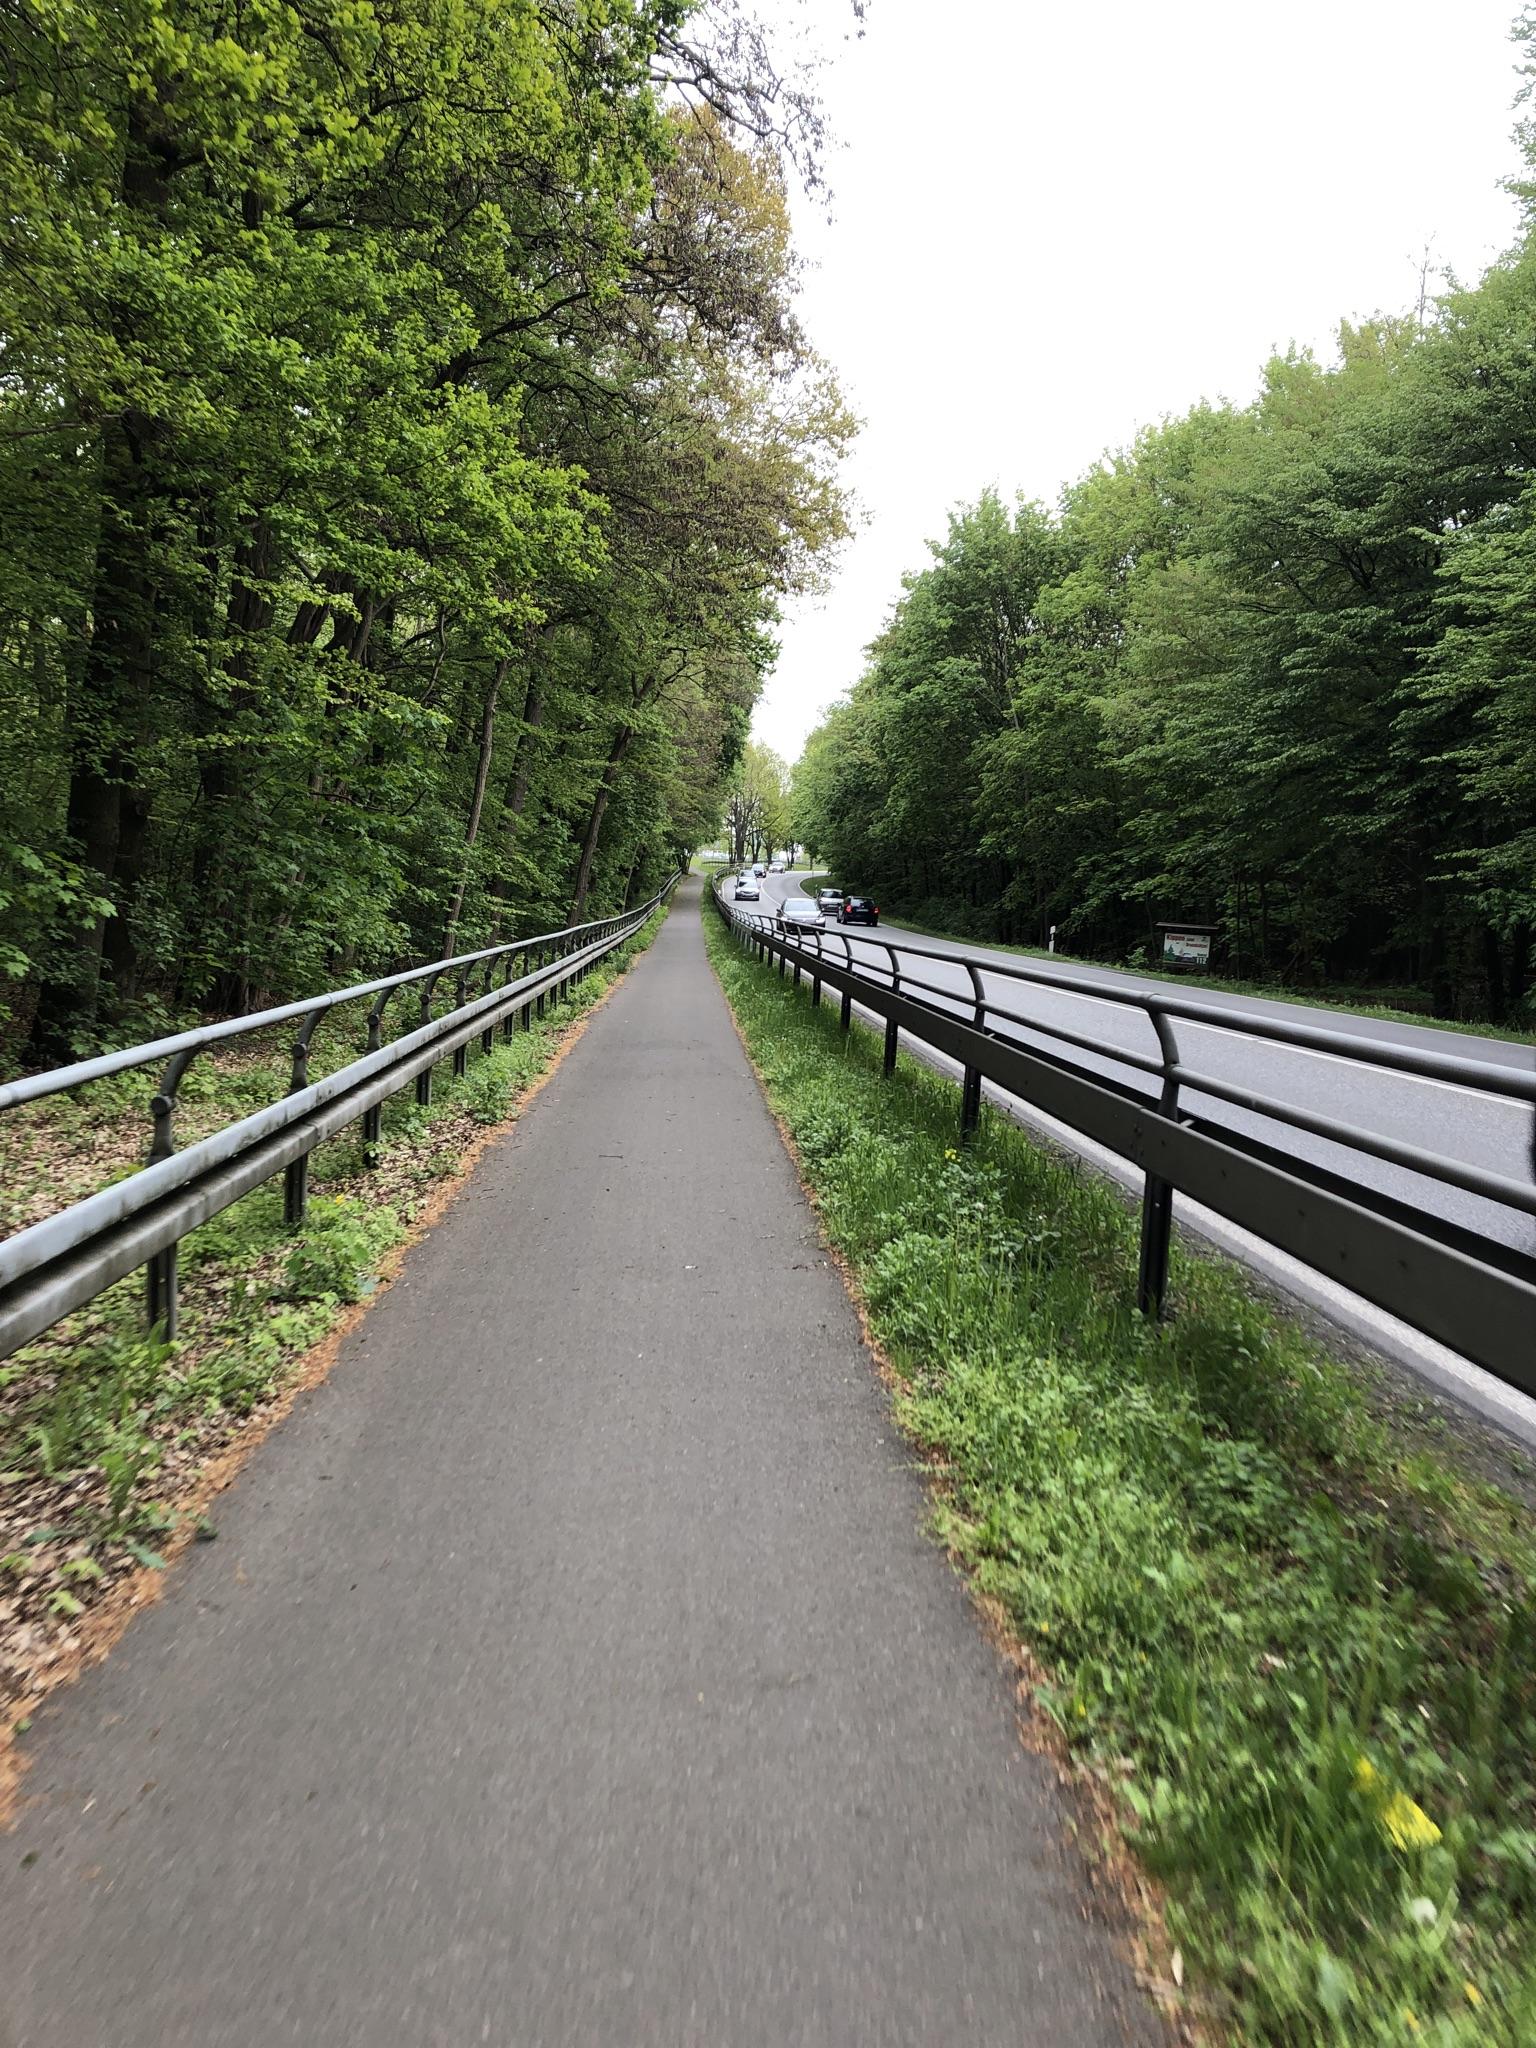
65,1260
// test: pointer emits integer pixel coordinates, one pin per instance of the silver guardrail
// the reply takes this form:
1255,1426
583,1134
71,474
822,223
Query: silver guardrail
1469,1291
60,1263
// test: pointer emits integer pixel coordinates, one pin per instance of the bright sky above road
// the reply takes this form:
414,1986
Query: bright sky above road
1053,224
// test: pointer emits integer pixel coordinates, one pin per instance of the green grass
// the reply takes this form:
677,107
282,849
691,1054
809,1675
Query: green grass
1300,1657
102,1426
1355,1001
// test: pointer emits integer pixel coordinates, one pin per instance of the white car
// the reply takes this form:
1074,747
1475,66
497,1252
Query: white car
747,890
776,867
799,913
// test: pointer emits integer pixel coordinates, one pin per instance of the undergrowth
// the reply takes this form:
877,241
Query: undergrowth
1300,1657
103,1428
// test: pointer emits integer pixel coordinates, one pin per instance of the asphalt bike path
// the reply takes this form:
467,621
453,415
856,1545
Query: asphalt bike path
571,1666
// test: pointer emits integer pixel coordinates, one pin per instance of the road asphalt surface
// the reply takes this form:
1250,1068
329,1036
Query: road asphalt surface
1444,1117
571,1667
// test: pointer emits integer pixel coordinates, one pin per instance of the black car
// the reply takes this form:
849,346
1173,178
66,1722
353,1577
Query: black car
858,910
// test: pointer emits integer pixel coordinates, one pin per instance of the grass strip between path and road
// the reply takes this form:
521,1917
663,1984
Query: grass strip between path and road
107,1436
1295,1653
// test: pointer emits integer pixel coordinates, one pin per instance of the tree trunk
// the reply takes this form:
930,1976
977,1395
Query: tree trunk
605,790
477,801
224,767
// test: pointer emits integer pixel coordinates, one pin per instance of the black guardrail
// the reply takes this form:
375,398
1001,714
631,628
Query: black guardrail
67,1259
1470,1292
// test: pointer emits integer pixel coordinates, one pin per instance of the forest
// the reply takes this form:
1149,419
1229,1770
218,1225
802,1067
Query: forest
406,438
1273,668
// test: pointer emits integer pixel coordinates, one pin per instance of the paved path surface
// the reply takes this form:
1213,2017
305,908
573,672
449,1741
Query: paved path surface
571,1667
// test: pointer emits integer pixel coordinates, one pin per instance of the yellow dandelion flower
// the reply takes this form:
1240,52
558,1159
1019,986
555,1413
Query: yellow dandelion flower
1411,2018
1405,1823
1408,1824
1474,1996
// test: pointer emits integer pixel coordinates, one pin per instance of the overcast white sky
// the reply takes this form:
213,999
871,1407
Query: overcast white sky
1054,224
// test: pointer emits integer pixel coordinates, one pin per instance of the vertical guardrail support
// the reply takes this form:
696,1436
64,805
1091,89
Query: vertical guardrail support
1157,1194
424,1078
161,1303
488,1035
889,1065
461,1052
373,1119
970,1104
970,1087
296,1173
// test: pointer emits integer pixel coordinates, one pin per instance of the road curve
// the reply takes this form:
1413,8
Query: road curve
571,1668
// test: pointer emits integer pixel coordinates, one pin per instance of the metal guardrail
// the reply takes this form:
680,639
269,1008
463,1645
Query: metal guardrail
1466,1290
67,1259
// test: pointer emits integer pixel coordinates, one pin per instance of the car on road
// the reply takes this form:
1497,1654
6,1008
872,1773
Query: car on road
759,869
747,890
829,901
776,867
799,914
858,910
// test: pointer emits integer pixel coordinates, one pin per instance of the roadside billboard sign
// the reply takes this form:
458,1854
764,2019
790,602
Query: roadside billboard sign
1186,946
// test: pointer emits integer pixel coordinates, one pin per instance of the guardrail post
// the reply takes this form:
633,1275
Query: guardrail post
161,1303
845,1014
970,1087
296,1173
970,1104
461,1052
889,1066
1157,1194
373,1119
424,1078
488,1035
509,1022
